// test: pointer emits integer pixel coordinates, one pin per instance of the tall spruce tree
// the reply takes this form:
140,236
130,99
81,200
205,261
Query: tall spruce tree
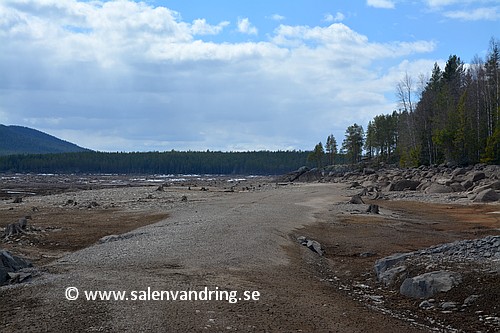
331,149
353,143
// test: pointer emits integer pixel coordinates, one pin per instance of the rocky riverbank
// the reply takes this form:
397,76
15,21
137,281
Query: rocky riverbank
479,183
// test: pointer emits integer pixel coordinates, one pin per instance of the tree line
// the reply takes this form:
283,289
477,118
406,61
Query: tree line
171,162
451,117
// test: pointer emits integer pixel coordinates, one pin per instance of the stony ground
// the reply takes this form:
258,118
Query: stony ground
232,234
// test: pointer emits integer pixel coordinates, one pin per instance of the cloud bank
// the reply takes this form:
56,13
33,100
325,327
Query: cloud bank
127,76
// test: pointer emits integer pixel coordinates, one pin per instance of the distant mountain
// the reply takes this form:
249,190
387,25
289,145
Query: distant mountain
24,140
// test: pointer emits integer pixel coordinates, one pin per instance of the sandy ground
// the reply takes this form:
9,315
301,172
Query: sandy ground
240,237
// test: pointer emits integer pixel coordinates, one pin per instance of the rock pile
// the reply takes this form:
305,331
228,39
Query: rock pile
479,183
396,267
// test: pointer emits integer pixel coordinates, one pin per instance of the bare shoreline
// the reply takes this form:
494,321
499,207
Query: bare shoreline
233,235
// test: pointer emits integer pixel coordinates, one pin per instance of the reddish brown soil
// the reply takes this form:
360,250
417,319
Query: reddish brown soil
59,230
419,225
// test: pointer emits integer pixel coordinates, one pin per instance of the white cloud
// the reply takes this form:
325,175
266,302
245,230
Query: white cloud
245,27
338,17
442,3
467,10
478,14
386,4
277,17
122,75
201,27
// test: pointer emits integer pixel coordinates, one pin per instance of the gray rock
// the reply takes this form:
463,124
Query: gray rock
458,172
368,171
315,247
479,189
443,180
467,184
477,176
19,277
457,187
10,264
496,185
471,299
488,195
356,199
386,263
449,305
429,284
292,176
367,254
389,276
302,240
310,176
437,188
405,184
311,244
426,305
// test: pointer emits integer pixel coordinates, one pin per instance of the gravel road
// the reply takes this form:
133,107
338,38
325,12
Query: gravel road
216,240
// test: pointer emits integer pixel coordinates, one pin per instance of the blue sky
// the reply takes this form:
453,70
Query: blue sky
222,75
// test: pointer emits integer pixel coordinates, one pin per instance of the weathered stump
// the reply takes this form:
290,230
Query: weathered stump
16,228
373,209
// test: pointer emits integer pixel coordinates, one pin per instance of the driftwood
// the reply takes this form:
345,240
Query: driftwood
16,228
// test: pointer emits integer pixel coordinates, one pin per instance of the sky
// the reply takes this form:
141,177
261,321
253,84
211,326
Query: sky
222,74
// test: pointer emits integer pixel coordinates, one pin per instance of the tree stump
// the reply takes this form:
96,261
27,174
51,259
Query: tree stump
373,209
16,228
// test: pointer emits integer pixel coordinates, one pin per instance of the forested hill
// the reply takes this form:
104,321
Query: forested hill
24,150
24,140
172,162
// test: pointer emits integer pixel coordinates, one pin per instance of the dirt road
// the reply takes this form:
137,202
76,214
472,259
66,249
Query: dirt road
213,241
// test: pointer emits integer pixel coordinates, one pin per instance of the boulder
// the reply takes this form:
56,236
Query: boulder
356,199
477,176
423,186
429,284
310,176
496,185
388,277
467,184
458,172
457,187
368,171
488,195
10,264
292,176
387,263
442,180
479,189
437,188
405,184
